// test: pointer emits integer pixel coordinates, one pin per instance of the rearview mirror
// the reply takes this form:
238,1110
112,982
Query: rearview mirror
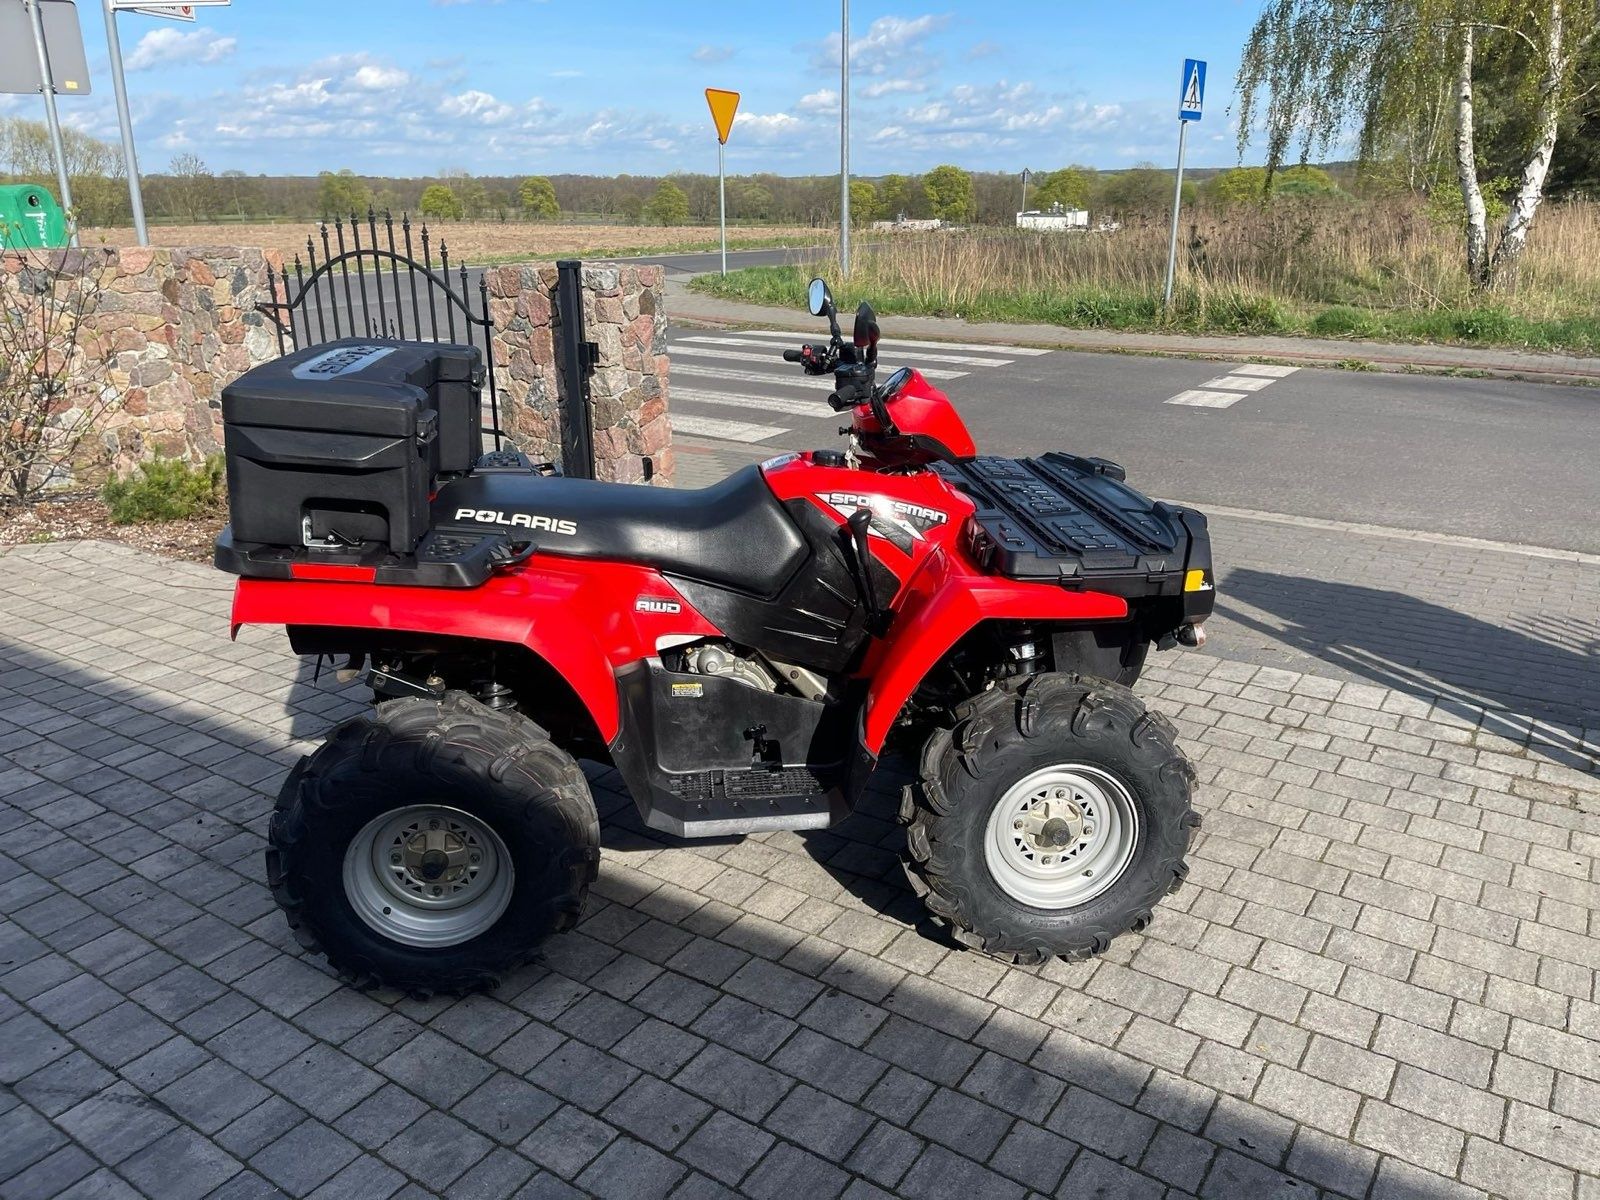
865,334
818,298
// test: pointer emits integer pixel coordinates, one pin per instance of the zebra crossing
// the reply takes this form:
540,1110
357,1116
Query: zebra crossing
1229,389
735,387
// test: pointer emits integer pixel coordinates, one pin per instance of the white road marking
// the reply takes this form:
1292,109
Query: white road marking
1239,383
817,408
811,383
1266,369
963,359
1405,535
1196,398
811,335
728,431
682,351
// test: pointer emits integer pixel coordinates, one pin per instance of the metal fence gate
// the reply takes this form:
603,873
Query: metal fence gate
378,288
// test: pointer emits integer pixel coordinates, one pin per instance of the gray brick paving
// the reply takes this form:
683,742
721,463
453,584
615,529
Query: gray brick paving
1381,981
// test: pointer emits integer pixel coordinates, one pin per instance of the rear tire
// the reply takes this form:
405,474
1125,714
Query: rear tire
433,845
1052,818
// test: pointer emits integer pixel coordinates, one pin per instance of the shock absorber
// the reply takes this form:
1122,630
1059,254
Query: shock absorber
497,696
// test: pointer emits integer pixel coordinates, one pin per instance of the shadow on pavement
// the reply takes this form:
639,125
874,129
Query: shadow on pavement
200,814
1544,677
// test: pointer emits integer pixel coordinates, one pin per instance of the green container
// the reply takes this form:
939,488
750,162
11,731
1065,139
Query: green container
30,219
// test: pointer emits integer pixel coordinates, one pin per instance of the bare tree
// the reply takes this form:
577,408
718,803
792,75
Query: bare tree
53,391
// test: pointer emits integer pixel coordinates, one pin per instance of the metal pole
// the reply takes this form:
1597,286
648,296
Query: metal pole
722,206
130,159
1024,182
844,140
51,117
1177,201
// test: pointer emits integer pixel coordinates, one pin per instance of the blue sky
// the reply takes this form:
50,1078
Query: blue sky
411,87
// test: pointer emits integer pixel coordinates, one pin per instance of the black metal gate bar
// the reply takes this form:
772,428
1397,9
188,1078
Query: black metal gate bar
577,364
318,281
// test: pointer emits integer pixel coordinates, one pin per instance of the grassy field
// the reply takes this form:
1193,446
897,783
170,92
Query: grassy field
483,243
1366,271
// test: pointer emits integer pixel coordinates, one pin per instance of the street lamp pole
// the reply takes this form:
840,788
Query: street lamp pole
130,157
844,140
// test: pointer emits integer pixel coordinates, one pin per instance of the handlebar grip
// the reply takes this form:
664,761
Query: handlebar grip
793,356
838,403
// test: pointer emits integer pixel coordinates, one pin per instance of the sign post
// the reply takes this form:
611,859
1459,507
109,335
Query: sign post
723,107
48,87
1191,103
119,85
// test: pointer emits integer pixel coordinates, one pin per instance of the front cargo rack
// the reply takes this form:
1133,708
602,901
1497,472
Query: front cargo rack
1074,521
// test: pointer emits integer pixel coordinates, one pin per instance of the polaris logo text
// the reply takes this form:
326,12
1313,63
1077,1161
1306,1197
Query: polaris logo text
490,516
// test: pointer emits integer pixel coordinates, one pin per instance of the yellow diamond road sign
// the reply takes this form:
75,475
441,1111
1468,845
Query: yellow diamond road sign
723,106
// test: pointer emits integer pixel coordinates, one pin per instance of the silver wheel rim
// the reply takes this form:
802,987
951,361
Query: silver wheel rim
427,875
1061,836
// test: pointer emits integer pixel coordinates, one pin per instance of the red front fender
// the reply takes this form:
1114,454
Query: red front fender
942,604
582,619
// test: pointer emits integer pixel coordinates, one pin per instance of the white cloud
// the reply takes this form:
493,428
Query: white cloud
479,106
822,100
373,78
890,45
766,128
174,47
712,54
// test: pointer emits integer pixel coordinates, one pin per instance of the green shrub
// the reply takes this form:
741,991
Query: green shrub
1343,321
166,489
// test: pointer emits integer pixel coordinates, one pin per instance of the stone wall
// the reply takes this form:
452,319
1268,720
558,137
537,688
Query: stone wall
174,327
171,328
624,316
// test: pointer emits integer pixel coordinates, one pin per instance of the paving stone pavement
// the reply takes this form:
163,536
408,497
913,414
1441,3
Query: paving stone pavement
1381,981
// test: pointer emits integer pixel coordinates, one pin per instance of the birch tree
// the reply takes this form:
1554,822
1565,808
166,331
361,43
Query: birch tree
1313,70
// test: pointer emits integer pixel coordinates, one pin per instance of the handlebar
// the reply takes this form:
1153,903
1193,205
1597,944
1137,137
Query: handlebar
793,356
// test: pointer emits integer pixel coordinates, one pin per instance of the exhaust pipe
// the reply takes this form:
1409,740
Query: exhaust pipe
1192,636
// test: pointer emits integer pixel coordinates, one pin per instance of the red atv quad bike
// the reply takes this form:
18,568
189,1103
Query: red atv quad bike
743,653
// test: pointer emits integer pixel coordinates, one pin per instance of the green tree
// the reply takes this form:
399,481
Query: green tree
950,193
1325,66
895,197
341,193
439,201
1143,190
1070,187
668,206
864,202
1242,185
538,197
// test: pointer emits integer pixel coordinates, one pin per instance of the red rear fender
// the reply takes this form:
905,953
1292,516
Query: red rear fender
583,618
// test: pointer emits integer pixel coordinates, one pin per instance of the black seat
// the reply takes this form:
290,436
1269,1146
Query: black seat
733,534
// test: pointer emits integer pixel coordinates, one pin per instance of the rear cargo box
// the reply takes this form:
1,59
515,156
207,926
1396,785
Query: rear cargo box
341,444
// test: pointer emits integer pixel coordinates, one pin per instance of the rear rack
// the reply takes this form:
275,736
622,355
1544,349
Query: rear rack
1072,520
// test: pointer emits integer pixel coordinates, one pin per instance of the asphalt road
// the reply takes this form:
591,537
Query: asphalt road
1512,462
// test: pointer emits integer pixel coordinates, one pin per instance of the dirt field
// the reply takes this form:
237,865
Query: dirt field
475,242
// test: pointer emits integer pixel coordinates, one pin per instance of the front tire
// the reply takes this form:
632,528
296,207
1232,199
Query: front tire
433,845
1052,818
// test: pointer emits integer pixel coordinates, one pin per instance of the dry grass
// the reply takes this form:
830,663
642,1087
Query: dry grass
476,242
1332,269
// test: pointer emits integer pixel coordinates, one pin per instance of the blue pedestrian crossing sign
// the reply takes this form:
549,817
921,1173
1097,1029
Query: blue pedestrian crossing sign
1193,99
